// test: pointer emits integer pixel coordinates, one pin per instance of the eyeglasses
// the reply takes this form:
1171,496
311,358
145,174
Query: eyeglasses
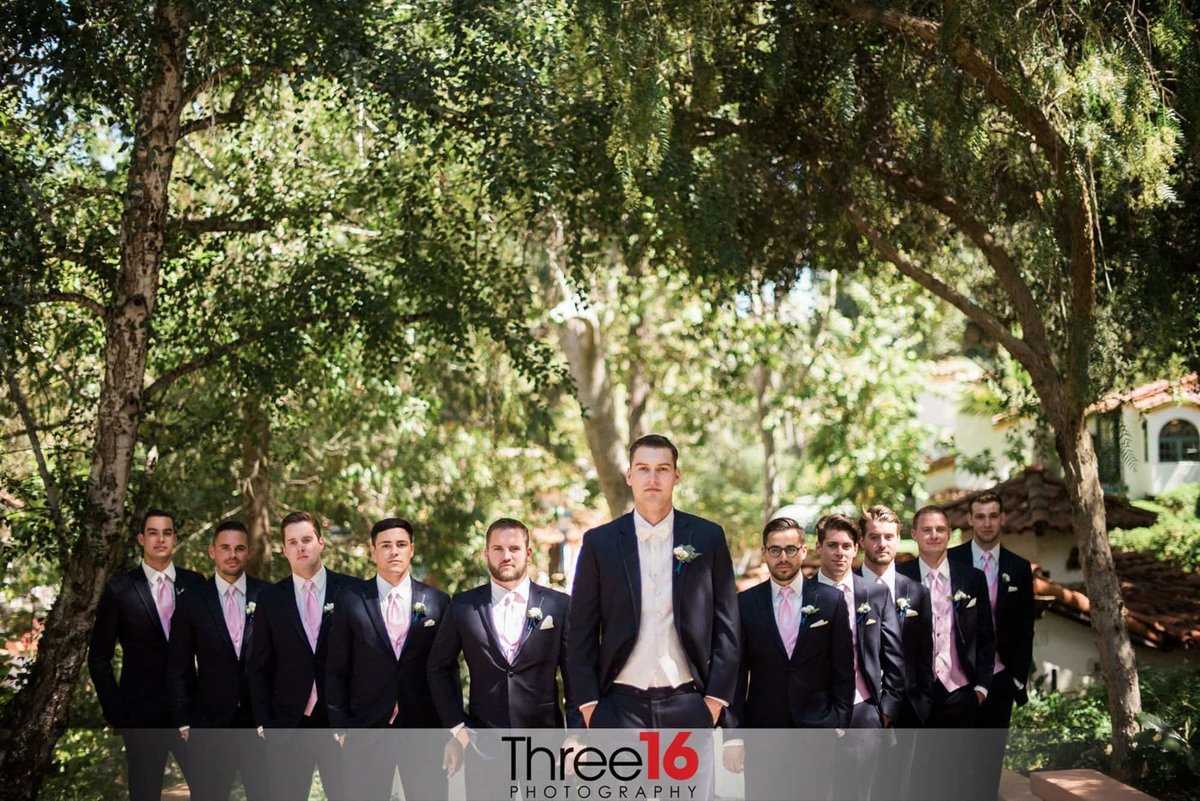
775,551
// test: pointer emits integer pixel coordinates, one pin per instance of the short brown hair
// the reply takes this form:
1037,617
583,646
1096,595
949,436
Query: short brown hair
878,514
300,517
389,523
929,509
984,497
781,524
654,441
837,522
503,524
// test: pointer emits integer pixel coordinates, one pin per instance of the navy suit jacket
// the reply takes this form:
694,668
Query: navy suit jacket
282,666
127,614
364,680
879,651
523,694
206,678
814,688
1014,612
974,638
916,634
606,607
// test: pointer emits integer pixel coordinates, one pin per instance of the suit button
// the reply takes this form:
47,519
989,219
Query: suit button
512,673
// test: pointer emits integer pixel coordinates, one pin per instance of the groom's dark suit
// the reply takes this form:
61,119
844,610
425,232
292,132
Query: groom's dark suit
137,705
209,693
606,606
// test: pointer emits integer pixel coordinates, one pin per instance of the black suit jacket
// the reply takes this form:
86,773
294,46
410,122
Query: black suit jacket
1014,612
523,694
879,651
974,638
606,607
363,677
814,688
281,666
206,679
127,614
915,614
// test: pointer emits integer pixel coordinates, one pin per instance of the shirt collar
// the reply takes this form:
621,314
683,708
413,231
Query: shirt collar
521,591
888,577
404,588
943,568
848,580
643,528
797,586
977,555
223,585
152,574
318,580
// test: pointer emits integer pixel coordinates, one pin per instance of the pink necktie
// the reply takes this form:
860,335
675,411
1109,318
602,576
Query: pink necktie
397,623
992,571
860,684
312,627
789,627
234,619
944,667
165,601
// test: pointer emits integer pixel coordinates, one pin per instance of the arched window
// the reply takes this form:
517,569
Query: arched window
1178,441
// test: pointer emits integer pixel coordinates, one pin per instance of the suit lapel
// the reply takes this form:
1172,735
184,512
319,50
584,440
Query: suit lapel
766,613
371,603
293,610
142,585
252,588
484,609
681,536
419,592
212,602
628,543
534,601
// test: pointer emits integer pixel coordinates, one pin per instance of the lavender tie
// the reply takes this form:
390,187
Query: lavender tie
234,619
165,601
789,627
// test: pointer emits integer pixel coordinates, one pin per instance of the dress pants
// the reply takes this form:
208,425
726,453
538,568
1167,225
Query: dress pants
372,756
146,752
949,762
995,714
856,758
293,754
218,755
792,767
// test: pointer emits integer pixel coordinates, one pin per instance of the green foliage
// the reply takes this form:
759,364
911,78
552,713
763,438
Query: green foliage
1058,731
1175,535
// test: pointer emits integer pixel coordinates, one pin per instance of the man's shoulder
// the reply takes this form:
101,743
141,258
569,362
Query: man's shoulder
1014,561
821,593
753,594
337,582
961,553
472,597
609,529
911,585
551,594
910,569
699,525
429,593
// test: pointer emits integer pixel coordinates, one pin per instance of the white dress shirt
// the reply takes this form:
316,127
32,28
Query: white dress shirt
152,575
403,592
888,578
319,580
239,585
848,581
797,586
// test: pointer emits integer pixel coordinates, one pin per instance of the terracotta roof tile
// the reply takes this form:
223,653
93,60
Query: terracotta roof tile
1152,396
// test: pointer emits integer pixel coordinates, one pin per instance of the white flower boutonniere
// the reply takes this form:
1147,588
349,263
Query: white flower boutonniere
902,604
1007,578
418,611
807,610
683,555
863,608
861,613
533,616
328,609
250,609
960,596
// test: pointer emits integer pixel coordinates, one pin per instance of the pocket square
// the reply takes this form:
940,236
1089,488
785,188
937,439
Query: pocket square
818,623
870,620
1011,588
548,623
973,600
910,613
430,622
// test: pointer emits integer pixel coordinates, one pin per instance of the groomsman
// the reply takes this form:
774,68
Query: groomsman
964,650
286,666
653,616
135,610
1010,593
877,653
377,678
210,700
797,668
914,613
512,633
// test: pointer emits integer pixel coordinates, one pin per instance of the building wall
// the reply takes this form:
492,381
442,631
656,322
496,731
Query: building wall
1069,647
1169,475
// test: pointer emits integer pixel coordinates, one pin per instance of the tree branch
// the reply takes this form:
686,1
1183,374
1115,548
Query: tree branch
981,316
160,384
231,117
906,182
77,298
31,429
219,225
209,82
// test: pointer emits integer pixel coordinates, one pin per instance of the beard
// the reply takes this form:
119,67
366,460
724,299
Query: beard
506,573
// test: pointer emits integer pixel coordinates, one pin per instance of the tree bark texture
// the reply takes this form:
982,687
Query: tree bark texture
255,484
38,715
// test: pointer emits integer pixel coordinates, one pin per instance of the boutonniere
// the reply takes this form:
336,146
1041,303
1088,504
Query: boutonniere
328,608
418,611
683,555
960,596
532,617
863,610
805,611
250,609
904,608
1007,578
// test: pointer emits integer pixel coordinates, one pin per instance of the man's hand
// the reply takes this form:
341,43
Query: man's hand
714,708
452,755
184,731
883,717
586,710
341,740
262,734
734,757
980,696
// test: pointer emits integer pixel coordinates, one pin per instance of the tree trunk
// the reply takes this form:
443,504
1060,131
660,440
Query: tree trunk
637,388
763,380
255,484
580,340
38,715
